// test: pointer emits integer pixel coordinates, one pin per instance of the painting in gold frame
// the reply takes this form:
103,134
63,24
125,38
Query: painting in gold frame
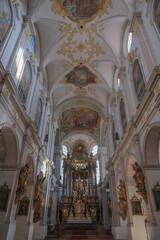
23,207
136,206
156,194
4,196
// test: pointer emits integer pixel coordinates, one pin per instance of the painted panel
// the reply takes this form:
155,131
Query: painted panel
81,9
5,18
156,13
123,115
80,76
79,118
24,85
138,81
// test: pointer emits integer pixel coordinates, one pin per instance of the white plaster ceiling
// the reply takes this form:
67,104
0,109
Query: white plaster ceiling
63,45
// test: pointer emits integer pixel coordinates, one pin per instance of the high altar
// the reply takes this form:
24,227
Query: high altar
79,202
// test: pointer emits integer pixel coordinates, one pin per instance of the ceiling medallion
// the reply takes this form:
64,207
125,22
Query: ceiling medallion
80,91
80,76
81,10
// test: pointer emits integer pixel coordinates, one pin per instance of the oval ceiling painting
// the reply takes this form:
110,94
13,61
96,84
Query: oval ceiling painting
79,10
79,118
81,77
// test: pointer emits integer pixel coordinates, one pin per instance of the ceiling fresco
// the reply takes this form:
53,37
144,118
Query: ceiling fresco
79,118
81,10
81,77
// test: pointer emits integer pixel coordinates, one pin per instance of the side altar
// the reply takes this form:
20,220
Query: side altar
79,202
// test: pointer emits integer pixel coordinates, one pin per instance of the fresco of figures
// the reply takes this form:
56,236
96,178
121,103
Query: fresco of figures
80,76
24,85
5,18
81,9
157,12
138,81
79,118
123,115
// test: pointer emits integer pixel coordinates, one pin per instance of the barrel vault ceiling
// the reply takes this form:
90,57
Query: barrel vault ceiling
80,47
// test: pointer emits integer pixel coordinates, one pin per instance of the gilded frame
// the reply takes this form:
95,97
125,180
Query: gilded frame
156,196
136,206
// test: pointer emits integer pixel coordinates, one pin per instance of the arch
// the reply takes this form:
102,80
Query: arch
25,80
38,115
129,169
5,18
11,155
151,145
138,80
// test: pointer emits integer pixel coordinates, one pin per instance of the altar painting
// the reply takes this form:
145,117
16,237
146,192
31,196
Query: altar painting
123,115
24,85
138,81
81,9
79,118
5,18
157,12
80,76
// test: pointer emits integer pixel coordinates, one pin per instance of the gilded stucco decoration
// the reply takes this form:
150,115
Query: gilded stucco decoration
81,10
87,50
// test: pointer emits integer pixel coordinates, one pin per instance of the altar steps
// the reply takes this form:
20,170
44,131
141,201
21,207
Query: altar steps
81,233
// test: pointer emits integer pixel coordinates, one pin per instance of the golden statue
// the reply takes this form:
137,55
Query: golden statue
79,185
138,177
38,188
22,182
122,191
94,212
65,211
38,210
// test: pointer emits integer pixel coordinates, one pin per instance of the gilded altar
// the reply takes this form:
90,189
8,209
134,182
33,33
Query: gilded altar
79,201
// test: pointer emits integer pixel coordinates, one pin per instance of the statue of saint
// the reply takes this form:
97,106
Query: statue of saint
138,177
22,182
38,188
122,191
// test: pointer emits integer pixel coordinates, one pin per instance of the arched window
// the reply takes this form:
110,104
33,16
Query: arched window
46,136
114,136
95,150
65,150
156,12
5,18
138,81
25,81
123,115
2,147
38,114
97,172
129,42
